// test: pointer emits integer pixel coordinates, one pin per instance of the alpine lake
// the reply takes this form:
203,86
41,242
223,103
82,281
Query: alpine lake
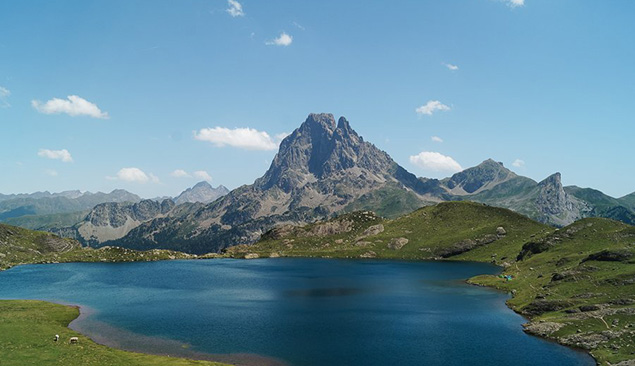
291,311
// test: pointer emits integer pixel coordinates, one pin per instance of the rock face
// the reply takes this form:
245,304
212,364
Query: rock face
547,201
202,192
320,169
110,221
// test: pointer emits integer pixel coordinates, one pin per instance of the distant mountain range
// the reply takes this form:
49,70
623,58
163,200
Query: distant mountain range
324,168
98,214
45,203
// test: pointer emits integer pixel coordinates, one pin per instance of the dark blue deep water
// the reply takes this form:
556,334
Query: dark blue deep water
301,312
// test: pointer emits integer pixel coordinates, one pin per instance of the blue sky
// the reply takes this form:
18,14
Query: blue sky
97,95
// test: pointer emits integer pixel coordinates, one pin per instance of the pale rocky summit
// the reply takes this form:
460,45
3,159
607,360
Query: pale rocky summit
202,192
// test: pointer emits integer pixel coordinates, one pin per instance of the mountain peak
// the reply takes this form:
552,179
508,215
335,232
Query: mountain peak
202,184
319,121
554,179
484,176
201,192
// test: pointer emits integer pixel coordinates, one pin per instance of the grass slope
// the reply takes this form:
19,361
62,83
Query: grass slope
27,329
23,246
578,281
575,284
430,231
46,222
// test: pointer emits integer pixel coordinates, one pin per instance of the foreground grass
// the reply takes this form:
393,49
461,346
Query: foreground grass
575,284
27,329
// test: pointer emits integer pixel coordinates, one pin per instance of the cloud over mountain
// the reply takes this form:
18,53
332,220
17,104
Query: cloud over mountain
242,138
435,161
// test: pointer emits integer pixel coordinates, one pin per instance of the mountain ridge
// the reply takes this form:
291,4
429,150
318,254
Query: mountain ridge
324,168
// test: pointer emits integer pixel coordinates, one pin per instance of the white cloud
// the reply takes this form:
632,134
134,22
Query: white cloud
201,174
134,175
62,155
435,161
451,67
235,8
243,138
436,139
51,172
4,96
431,107
515,3
299,26
283,40
73,106
518,163
180,173
281,136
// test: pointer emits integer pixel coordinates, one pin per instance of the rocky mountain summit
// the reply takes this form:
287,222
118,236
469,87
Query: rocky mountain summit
321,168
202,192
324,168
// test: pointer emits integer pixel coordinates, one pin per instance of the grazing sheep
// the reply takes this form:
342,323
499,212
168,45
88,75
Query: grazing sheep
74,340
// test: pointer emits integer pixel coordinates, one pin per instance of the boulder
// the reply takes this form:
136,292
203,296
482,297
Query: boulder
397,243
373,230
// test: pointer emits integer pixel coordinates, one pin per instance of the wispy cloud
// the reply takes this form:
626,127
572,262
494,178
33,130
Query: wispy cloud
514,3
299,26
51,172
202,174
62,155
235,9
180,173
451,67
518,163
4,97
436,139
73,106
435,161
430,107
242,138
134,175
283,40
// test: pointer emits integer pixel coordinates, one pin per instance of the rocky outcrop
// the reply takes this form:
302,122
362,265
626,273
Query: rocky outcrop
110,221
397,243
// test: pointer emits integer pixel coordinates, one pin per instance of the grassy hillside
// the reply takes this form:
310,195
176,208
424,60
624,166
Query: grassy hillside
46,222
21,246
575,284
388,202
458,230
27,329
578,285
629,201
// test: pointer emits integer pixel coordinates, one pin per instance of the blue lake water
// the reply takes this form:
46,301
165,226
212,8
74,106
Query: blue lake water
300,312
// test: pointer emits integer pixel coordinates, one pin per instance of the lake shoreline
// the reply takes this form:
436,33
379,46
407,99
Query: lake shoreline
182,350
